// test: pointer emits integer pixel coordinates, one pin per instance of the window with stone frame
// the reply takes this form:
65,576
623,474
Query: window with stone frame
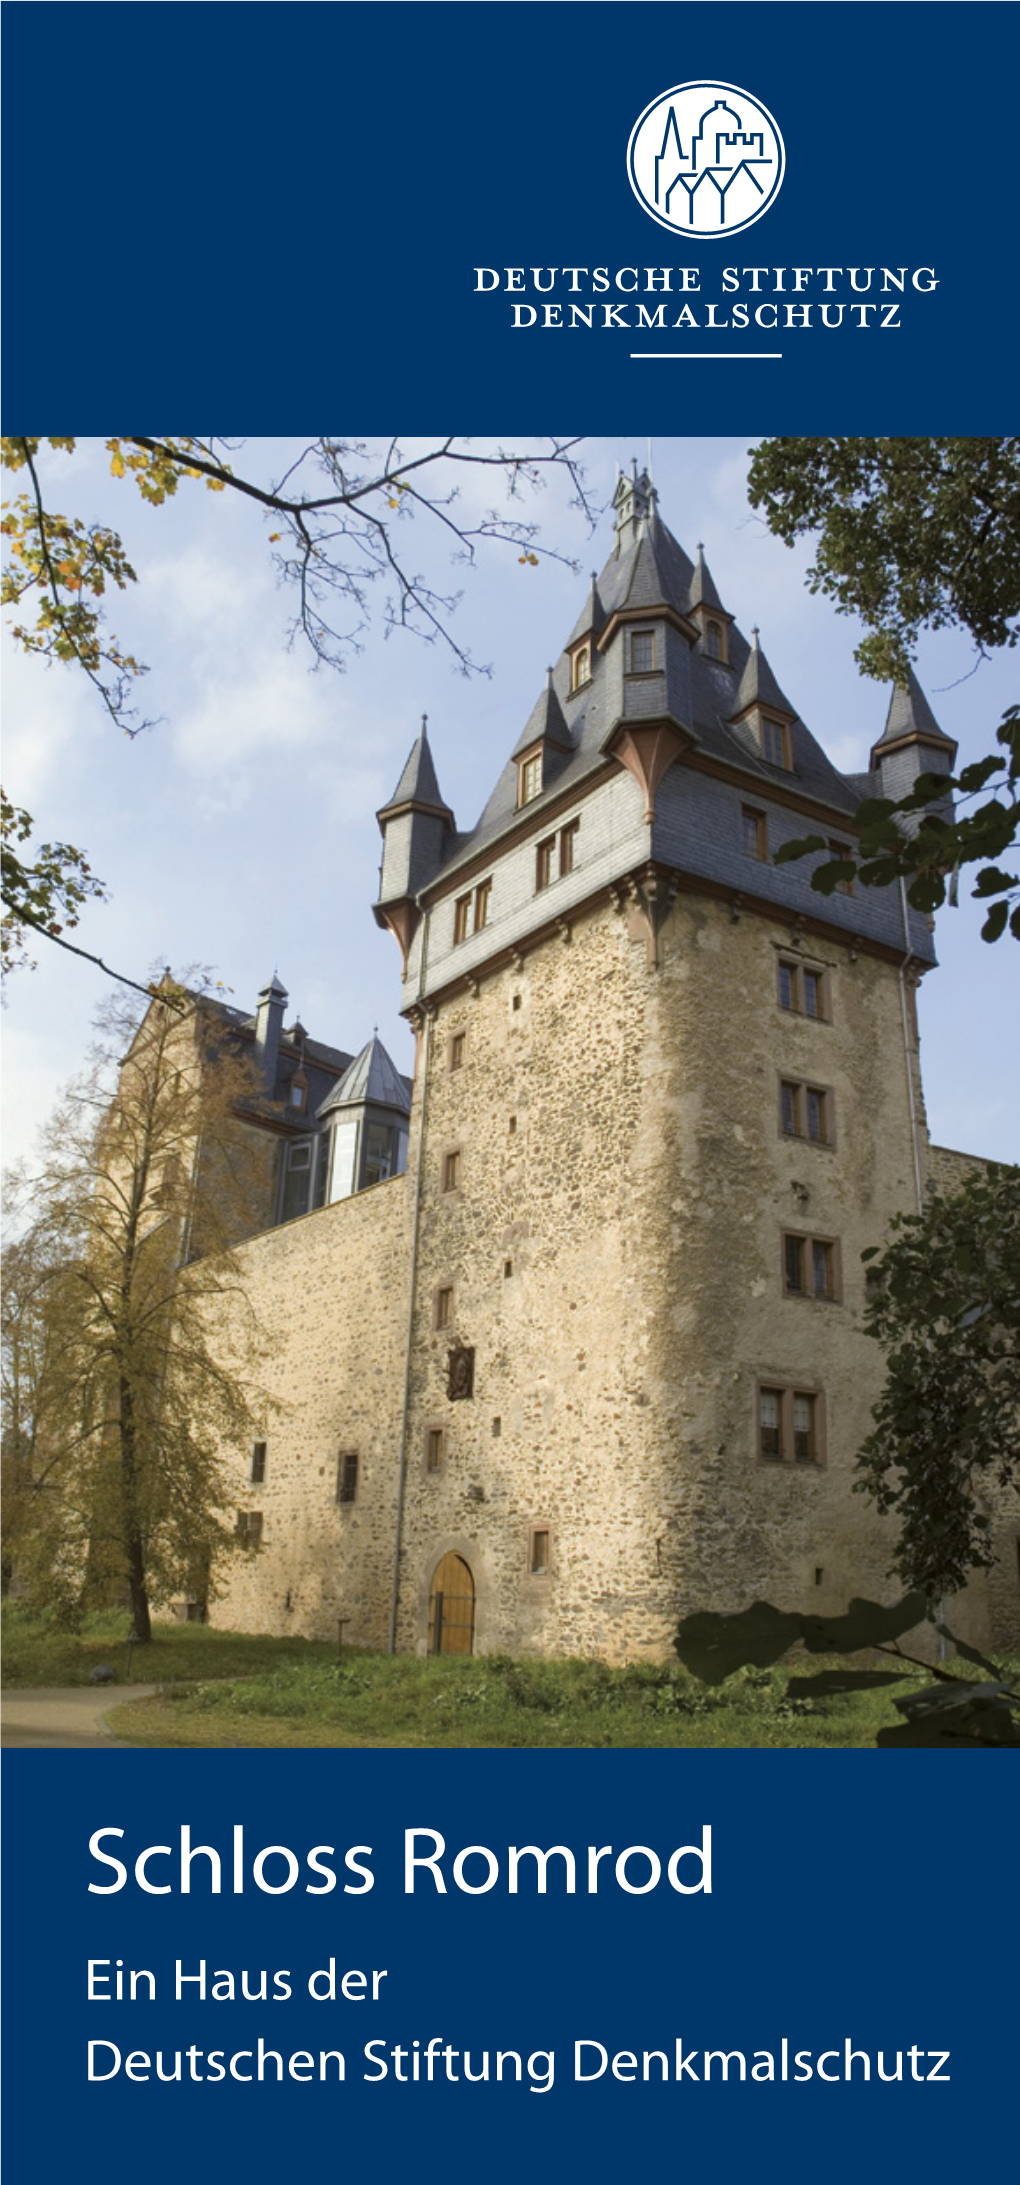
811,1267
539,1544
754,833
843,852
435,1448
461,918
806,1111
641,652
483,897
442,1315
774,740
580,666
529,778
803,988
790,1424
257,1472
568,846
249,1528
452,1169
456,1050
545,856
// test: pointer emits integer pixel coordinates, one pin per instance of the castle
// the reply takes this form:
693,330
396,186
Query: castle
566,1338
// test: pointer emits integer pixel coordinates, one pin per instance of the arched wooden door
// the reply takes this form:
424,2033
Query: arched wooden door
452,1608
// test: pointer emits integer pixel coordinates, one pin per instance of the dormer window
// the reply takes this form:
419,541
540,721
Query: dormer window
298,1091
642,652
713,641
580,667
774,738
529,784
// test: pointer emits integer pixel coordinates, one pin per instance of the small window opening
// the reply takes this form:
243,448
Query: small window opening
819,1574
512,1125
497,1429
444,1306
457,1051
435,1443
451,1171
538,1551
517,1001
258,1463
347,1476
508,1268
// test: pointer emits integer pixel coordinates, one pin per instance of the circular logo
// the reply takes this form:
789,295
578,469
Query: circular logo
705,159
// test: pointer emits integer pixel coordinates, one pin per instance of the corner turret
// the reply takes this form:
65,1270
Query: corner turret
417,827
911,743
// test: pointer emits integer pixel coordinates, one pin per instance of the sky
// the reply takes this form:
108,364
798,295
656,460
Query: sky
240,834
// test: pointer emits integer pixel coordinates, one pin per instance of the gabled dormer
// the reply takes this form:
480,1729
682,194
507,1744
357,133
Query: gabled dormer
543,747
706,609
417,829
762,712
583,639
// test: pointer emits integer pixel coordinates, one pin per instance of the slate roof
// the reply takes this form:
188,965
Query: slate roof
372,1077
758,685
419,783
909,713
654,570
703,592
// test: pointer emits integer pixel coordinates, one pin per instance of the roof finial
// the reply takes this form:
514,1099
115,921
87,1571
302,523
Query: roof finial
756,633
549,673
424,723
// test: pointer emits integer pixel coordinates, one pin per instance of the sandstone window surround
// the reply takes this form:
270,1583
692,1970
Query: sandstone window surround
471,911
249,1528
803,989
641,652
842,850
347,1476
754,833
443,1302
555,855
539,1549
807,1111
434,1451
452,1169
790,1423
774,742
529,777
580,666
257,1472
811,1267
455,1050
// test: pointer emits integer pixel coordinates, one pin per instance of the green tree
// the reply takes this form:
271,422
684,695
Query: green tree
914,535
118,1410
945,1305
345,520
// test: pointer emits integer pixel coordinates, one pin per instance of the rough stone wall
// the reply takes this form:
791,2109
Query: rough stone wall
948,1170
640,1204
330,1290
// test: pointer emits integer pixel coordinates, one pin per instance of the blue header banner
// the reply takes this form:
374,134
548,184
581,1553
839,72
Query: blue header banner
778,217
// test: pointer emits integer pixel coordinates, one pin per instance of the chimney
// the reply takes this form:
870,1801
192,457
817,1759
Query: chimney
268,1028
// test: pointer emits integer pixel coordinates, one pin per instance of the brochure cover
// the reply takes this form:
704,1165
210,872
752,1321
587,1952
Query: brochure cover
523,794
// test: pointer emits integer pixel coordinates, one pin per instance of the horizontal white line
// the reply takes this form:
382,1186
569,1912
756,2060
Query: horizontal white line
713,356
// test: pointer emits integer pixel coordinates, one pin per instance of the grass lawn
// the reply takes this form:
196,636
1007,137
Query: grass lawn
224,1688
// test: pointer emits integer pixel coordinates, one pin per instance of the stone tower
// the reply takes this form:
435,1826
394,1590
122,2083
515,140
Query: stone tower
665,1096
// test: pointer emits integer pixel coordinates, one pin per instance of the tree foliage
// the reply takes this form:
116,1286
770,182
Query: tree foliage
945,1305
914,535
117,1408
954,1712
343,518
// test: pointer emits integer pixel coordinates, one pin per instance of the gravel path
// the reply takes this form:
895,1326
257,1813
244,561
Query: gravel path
72,1714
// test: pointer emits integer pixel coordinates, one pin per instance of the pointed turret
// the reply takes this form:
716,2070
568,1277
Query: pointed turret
592,619
758,686
634,501
416,828
546,725
911,742
706,609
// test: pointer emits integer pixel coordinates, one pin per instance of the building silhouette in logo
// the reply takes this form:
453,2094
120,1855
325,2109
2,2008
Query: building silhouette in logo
705,158
721,151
